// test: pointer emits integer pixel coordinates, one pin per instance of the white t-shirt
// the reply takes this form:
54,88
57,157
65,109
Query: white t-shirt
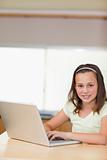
89,124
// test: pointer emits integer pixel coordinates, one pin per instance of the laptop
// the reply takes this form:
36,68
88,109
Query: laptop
23,122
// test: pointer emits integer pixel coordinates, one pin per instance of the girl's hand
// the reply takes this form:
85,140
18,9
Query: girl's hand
57,135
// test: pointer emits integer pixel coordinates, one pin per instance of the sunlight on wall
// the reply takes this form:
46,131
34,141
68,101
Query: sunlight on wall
43,76
61,64
22,75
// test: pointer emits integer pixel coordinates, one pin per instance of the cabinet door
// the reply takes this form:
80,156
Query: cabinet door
66,126
2,128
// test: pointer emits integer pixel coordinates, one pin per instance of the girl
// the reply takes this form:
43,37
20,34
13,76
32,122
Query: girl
86,108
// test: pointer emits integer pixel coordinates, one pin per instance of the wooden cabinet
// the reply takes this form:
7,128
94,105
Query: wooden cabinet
45,116
64,127
2,128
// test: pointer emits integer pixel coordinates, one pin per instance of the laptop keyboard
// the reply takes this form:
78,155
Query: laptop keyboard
57,140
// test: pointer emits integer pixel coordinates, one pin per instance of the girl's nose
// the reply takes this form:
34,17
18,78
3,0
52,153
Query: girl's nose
85,89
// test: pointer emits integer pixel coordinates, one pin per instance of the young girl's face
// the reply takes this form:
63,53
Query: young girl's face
86,86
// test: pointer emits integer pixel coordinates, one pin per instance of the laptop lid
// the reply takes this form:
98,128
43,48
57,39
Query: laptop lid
23,122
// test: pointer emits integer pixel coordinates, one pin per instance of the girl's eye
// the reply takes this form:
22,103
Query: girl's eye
91,85
80,86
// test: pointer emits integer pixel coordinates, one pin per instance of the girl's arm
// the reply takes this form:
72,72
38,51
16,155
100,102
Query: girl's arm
56,121
93,138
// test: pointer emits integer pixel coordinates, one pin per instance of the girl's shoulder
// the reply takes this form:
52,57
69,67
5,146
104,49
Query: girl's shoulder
69,105
68,108
103,111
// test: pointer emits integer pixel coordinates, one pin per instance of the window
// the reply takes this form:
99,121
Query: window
42,76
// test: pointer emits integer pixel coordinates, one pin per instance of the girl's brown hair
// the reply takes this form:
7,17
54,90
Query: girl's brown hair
101,95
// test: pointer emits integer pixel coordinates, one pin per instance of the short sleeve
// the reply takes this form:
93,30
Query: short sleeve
68,108
104,110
